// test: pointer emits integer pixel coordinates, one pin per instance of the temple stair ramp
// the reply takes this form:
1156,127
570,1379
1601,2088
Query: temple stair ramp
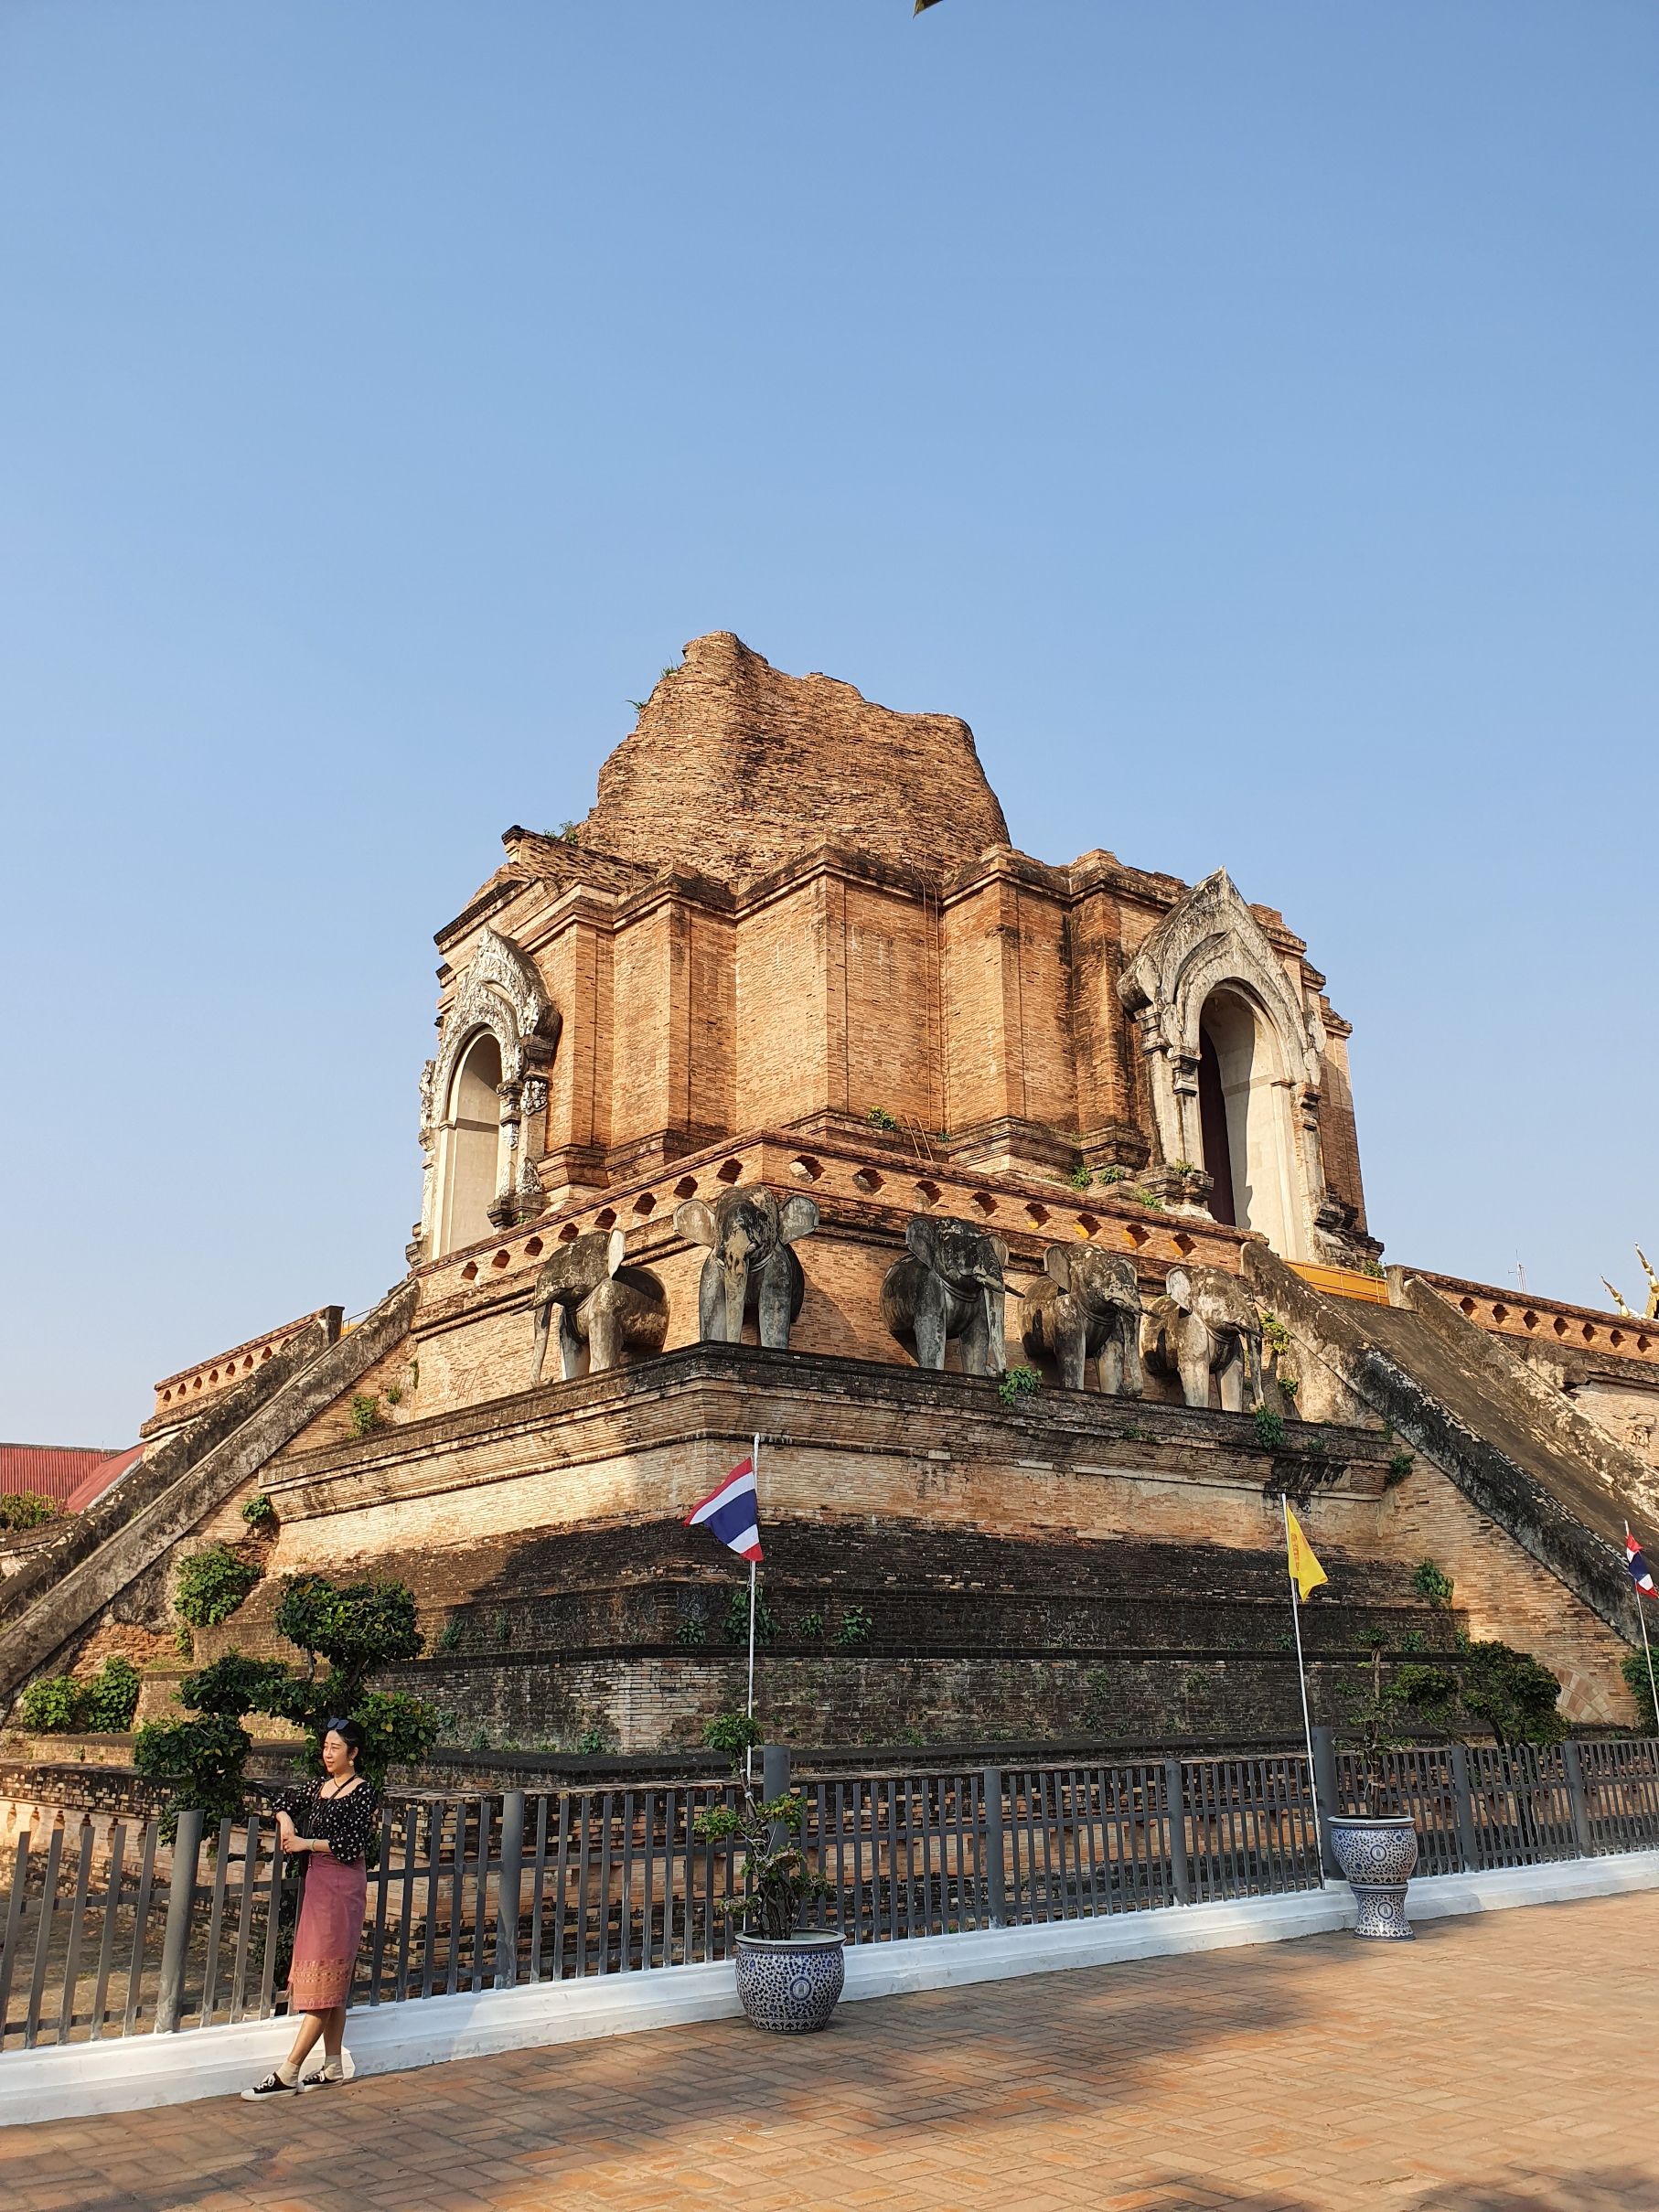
189,1474
1519,1450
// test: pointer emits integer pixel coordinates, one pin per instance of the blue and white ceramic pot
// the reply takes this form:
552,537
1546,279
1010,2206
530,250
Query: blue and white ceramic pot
1377,1857
791,1984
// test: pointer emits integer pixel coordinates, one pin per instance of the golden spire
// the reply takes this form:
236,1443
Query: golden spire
1617,1299
1651,1312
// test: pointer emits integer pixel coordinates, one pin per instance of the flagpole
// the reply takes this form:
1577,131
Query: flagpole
1647,1650
1301,1676
749,1749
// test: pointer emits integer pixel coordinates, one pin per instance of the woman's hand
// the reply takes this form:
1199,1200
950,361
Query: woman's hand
285,1831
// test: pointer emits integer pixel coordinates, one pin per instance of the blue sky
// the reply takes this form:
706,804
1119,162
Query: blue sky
1243,414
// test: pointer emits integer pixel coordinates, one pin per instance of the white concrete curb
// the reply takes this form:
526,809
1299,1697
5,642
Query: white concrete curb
122,2074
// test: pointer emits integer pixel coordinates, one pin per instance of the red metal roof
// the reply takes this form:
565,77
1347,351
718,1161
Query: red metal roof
59,1471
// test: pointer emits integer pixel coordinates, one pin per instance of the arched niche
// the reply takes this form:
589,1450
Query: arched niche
1249,1139
469,1145
484,1101
1209,971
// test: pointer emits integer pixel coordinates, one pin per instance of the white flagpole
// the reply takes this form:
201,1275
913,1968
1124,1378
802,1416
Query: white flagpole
1301,1676
1647,1650
749,1749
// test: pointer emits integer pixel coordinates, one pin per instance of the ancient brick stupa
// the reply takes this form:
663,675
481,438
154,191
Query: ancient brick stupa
781,1095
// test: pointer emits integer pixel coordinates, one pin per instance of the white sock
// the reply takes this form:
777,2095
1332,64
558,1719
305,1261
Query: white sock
335,2068
287,2073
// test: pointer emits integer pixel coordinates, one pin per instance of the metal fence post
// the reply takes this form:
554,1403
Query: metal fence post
1573,1767
996,1875
1324,1798
510,1883
1175,1804
1468,1846
181,1900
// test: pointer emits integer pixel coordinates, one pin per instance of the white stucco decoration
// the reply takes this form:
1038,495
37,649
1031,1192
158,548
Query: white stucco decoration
1212,942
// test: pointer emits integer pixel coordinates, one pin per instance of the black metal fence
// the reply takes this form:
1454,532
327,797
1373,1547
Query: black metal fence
108,1931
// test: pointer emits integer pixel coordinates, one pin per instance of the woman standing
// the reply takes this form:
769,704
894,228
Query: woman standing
331,1822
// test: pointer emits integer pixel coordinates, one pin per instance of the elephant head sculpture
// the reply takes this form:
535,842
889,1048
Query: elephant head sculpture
1207,1325
1088,1304
750,1267
601,1303
950,1283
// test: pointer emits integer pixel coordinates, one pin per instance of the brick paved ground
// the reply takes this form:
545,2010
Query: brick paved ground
1501,2062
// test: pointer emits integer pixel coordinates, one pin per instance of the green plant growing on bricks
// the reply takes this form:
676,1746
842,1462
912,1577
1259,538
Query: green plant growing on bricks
258,1510
854,1629
1269,1428
777,1879
1431,1586
880,1118
1639,1681
212,1584
1017,1383
366,1414
737,1615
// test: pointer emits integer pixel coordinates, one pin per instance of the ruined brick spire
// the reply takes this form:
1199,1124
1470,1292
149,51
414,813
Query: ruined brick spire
735,768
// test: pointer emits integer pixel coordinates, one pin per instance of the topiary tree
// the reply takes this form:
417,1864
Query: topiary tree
356,1630
1512,1692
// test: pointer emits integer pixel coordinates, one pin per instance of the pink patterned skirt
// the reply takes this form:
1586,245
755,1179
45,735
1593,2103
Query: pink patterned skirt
331,1929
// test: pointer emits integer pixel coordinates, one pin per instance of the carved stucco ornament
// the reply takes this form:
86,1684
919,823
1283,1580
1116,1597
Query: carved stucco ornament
501,992
1212,941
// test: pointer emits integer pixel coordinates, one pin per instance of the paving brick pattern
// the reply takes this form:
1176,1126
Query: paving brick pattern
1502,2063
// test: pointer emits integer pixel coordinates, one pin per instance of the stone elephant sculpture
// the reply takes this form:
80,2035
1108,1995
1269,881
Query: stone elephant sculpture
1088,1304
950,1283
750,1267
1207,1325
601,1303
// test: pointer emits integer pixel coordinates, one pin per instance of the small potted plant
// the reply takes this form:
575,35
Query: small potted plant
789,1979
1377,1849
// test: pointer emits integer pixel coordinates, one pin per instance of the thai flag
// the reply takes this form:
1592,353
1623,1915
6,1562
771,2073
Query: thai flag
1640,1573
731,1513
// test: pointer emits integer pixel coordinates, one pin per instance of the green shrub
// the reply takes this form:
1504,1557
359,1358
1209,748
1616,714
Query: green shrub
366,1414
22,1509
690,1632
1111,1175
212,1585
1315,1446
593,1742
198,1762
53,1708
1017,1384
880,1118
1269,1428
732,1733
1079,1178
111,1698
737,1615
1399,1466
258,1510
854,1629
1275,1335
449,1635
1429,1584
808,1625
1149,1199
1640,1683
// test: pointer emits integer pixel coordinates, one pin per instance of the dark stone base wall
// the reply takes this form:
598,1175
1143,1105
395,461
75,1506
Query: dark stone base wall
646,1701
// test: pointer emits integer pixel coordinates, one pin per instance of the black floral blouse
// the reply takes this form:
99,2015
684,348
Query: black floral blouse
347,1822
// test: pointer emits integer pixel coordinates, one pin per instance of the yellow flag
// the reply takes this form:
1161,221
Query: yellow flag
1306,1572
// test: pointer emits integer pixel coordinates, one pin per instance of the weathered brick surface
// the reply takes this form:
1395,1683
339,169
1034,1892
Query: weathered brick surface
735,767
